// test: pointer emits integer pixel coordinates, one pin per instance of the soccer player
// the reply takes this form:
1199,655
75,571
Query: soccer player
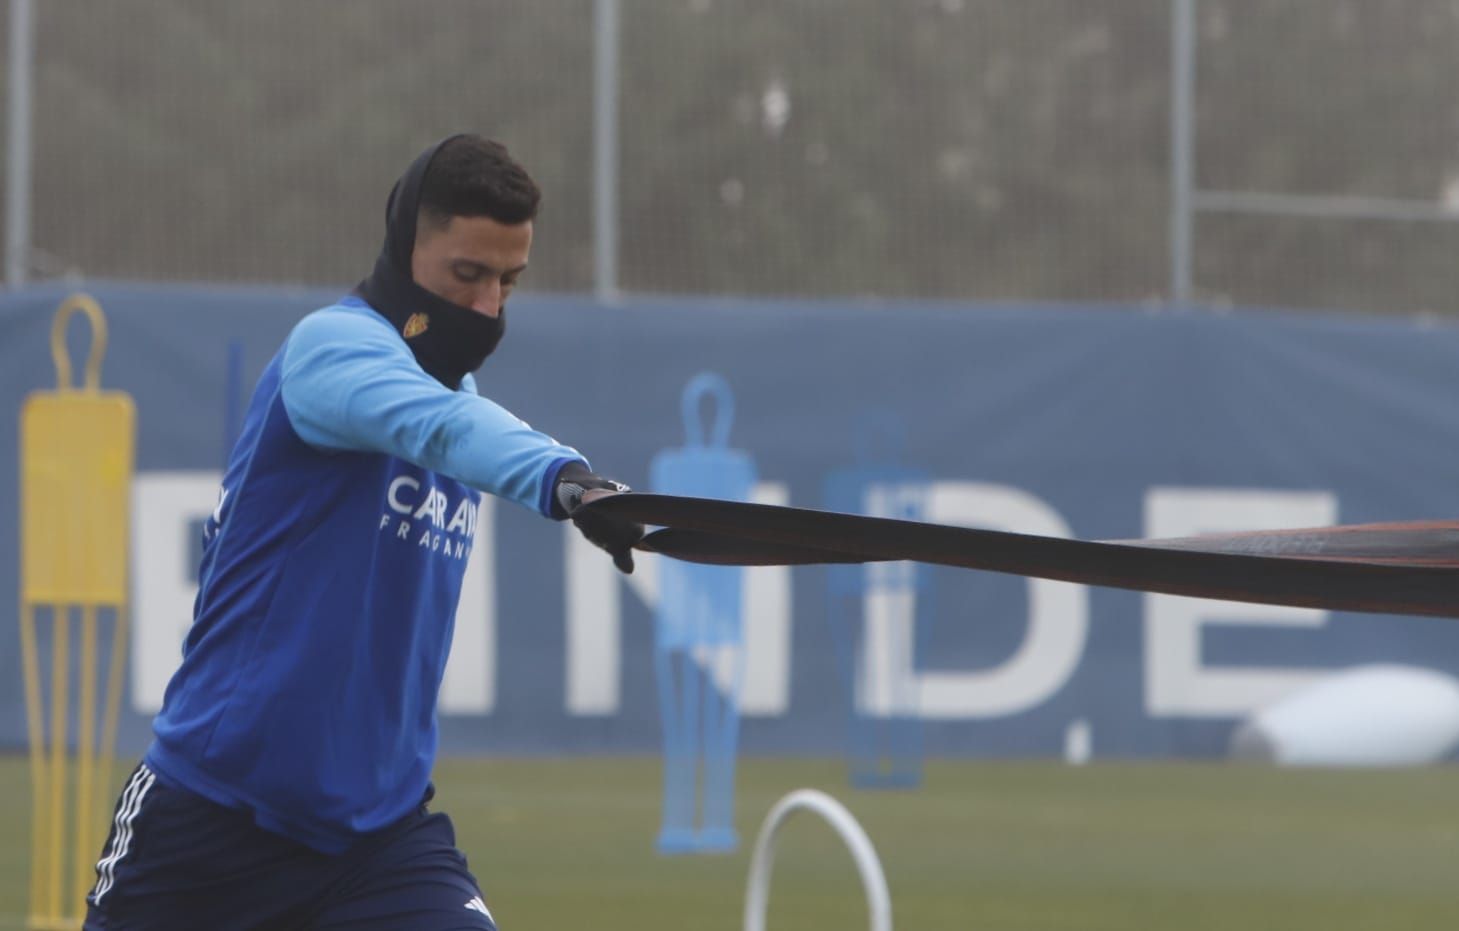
288,781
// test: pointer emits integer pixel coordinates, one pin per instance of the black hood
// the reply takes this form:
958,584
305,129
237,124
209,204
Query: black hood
448,340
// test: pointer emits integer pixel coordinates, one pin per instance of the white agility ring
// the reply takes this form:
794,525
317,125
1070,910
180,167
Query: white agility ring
757,895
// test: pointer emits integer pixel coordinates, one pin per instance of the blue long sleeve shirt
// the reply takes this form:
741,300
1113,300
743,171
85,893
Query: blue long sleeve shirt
329,580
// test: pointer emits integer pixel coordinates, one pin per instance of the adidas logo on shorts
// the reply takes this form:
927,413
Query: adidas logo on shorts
476,905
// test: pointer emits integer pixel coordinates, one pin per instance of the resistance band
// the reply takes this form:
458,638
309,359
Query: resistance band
1394,568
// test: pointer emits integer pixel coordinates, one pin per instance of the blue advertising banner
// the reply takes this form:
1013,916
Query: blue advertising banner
1094,422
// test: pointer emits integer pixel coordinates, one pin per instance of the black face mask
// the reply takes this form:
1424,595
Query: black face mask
448,340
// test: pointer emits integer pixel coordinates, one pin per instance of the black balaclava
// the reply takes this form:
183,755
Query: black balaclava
448,340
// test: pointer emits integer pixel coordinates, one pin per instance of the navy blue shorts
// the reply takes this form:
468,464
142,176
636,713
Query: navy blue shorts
175,860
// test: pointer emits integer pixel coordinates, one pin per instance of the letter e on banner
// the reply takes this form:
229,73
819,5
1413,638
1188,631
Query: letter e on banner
1177,683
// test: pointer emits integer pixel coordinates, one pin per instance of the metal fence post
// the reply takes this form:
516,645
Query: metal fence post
1182,149
18,143
605,149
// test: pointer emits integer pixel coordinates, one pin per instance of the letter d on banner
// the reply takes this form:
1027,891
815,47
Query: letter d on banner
76,460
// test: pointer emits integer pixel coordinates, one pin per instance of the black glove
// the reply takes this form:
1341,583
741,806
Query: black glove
613,534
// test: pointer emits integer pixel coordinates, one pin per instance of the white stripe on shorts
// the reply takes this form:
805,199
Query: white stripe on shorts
131,803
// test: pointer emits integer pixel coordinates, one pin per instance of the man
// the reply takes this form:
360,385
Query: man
287,783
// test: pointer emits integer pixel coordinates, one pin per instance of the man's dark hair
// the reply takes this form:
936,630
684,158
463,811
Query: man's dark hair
475,177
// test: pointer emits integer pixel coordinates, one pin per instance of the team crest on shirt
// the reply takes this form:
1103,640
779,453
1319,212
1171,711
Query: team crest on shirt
416,325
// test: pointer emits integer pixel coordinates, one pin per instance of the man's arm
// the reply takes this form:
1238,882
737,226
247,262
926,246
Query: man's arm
349,383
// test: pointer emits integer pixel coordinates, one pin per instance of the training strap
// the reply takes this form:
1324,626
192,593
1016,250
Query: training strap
1395,568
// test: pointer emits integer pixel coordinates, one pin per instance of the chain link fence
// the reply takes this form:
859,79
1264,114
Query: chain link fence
928,149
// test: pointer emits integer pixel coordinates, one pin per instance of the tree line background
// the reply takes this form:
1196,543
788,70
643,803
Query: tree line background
937,149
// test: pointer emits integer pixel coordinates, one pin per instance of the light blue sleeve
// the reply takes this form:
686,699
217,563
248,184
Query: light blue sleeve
349,383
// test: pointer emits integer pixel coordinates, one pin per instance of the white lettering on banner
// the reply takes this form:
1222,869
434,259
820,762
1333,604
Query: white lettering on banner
470,683
766,606
886,683
1058,613
165,508
594,623
594,639
1177,684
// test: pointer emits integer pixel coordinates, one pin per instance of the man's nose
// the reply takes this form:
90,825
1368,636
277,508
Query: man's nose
488,300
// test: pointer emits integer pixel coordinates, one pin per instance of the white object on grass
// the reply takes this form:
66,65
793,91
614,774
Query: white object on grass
1379,715
757,895
1078,742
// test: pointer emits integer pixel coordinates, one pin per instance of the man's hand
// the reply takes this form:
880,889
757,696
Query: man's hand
576,486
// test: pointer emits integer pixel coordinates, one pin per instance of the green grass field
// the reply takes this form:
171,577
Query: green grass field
569,844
